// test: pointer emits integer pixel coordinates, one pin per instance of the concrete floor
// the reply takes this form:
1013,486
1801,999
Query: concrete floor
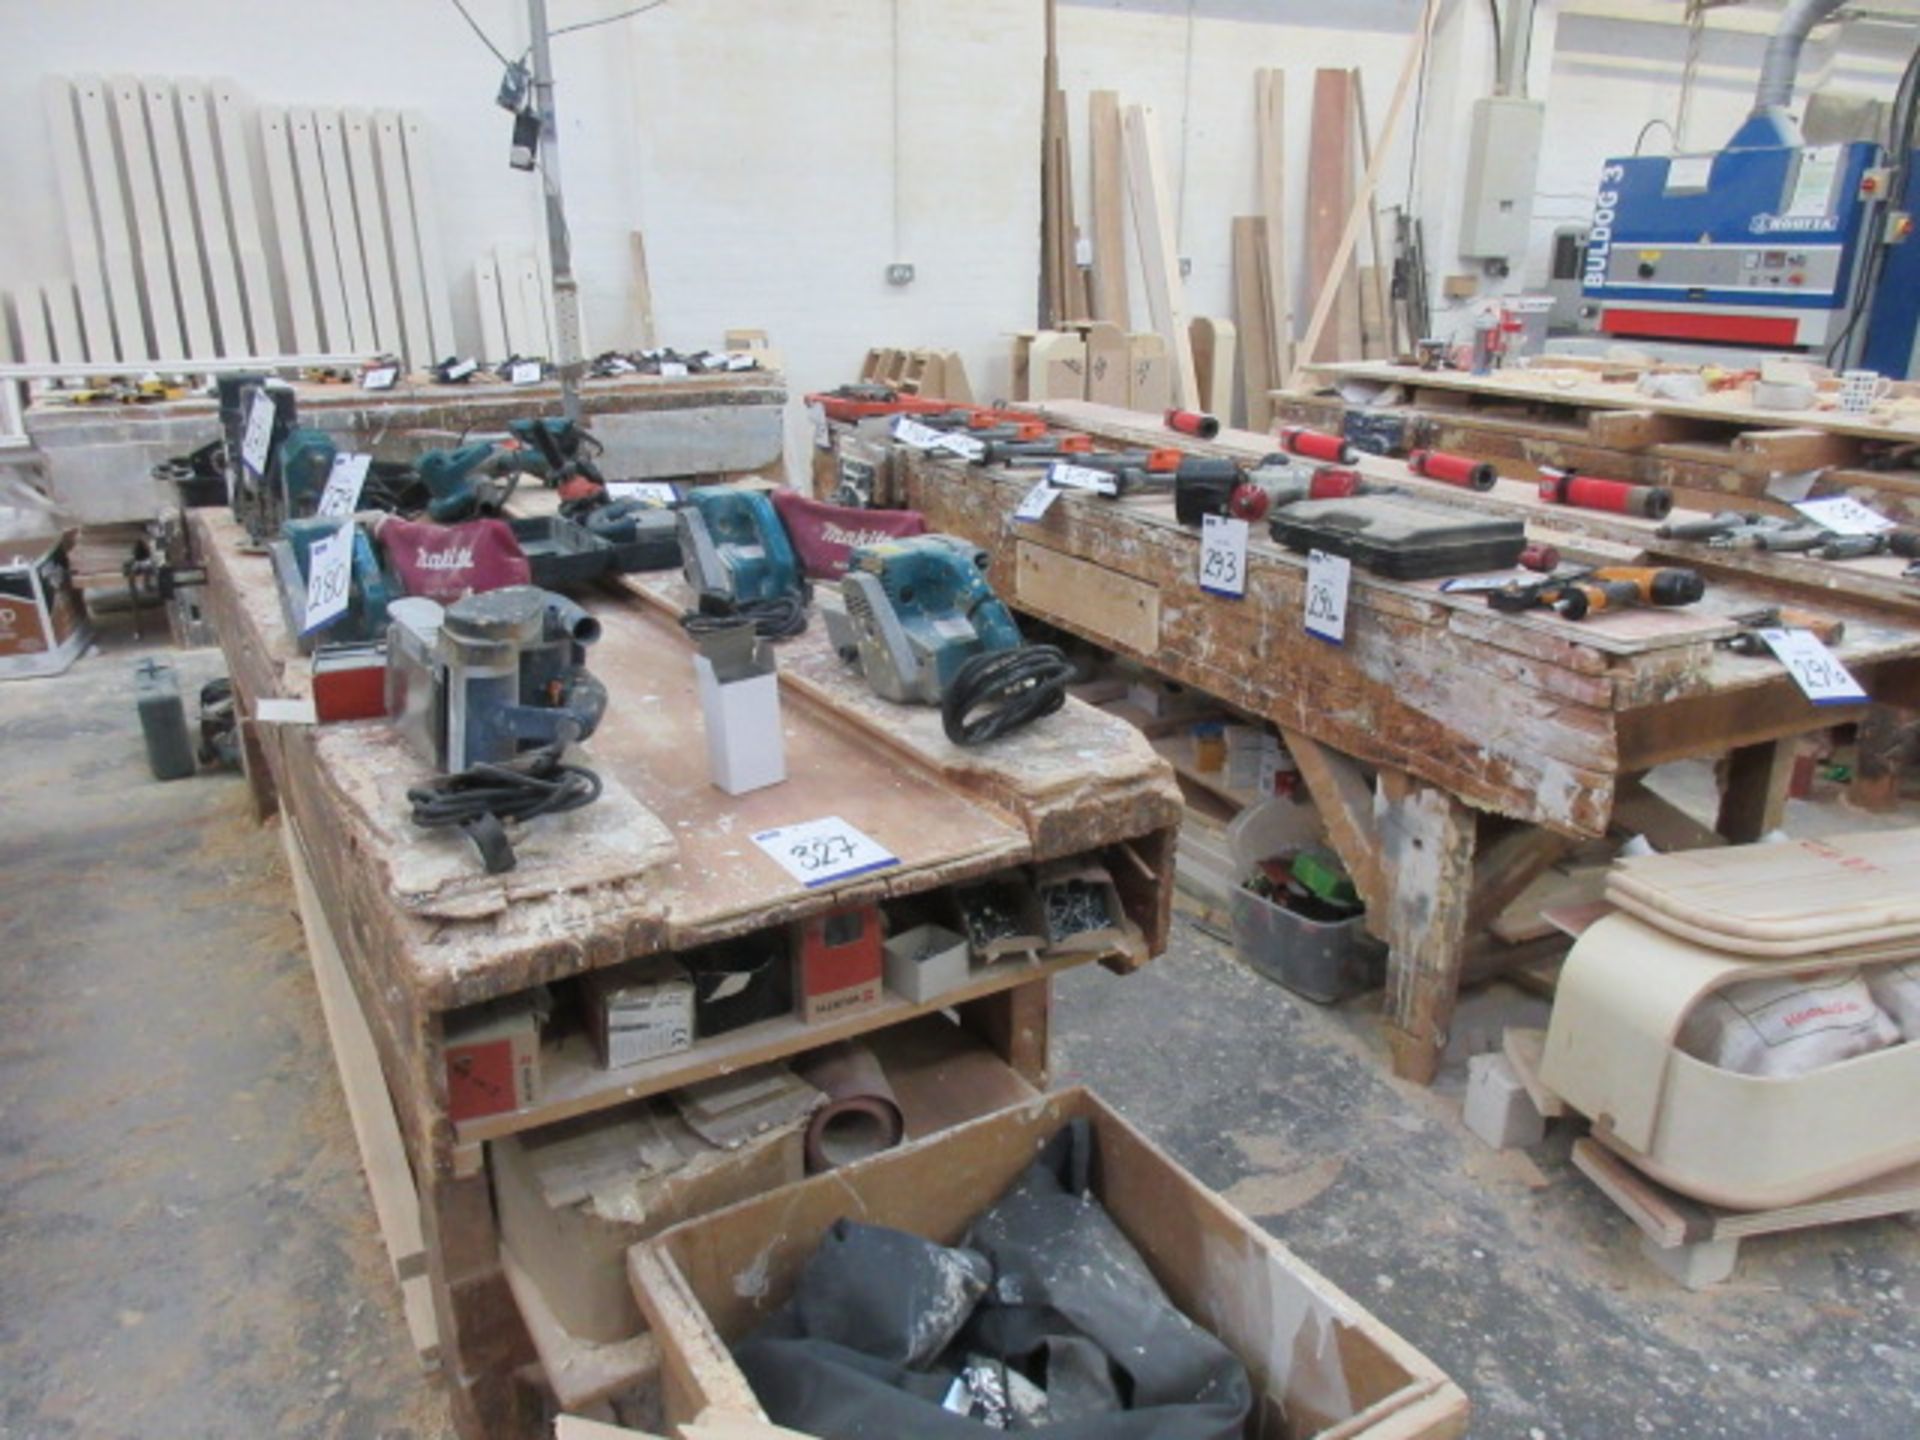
186,1246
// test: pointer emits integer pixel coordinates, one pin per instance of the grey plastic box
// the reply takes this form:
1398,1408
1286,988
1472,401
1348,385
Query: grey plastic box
1323,961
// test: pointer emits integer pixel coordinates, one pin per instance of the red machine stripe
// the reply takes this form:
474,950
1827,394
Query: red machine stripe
1693,325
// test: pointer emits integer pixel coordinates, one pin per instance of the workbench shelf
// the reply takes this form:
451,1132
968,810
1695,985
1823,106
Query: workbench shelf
574,1083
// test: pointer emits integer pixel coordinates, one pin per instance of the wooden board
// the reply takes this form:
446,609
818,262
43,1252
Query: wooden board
426,215
1106,183
1376,307
262,321
149,233
1077,592
335,318
370,223
488,301
339,215
1330,172
1269,121
1153,228
116,242
408,281
176,200
211,206
1801,897
1252,313
277,139
83,248
1214,348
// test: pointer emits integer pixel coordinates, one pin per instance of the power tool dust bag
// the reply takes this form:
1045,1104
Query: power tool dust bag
824,535
446,562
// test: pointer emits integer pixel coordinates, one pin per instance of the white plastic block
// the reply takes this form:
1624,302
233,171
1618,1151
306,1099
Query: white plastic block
1498,1108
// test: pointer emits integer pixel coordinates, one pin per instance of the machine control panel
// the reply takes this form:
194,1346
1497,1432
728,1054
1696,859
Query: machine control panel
1799,269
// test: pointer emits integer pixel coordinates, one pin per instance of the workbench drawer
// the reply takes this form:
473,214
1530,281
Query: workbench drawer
1321,1365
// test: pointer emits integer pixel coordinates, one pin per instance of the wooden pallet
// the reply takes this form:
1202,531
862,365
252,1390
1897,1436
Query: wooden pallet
1698,1245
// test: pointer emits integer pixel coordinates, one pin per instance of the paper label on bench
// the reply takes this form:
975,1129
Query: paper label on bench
1843,515
819,852
1223,556
329,575
1813,667
258,437
1036,502
526,372
381,378
342,495
965,446
909,431
1327,579
1082,477
657,491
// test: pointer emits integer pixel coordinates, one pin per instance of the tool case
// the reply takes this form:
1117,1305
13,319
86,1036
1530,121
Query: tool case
1401,536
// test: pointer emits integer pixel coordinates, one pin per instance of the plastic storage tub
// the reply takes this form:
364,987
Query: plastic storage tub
1325,962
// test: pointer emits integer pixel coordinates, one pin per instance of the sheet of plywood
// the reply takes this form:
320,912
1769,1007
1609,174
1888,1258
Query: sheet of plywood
68,346
1153,227
408,282
169,162
277,141
1252,310
643,294
248,232
83,247
507,264
1796,897
1057,366
1329,199
1106,186
1099,602
1269,94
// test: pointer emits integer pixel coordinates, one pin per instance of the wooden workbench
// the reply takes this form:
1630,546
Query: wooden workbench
1717,450
97,458
420,933
1464,717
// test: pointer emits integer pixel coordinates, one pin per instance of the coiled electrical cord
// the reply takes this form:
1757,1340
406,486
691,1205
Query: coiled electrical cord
775,619
1021,685
478,800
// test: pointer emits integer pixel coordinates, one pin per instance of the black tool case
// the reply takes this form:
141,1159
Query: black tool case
1401,536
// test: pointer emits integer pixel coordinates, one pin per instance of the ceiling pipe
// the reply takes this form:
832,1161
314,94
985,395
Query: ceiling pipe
1781,67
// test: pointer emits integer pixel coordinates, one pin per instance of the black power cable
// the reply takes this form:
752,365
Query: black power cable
775,619
1021,685
476,801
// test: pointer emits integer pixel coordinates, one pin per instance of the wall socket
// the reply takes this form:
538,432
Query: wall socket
1186,266
900,272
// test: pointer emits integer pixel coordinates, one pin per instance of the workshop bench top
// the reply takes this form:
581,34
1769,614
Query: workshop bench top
664,861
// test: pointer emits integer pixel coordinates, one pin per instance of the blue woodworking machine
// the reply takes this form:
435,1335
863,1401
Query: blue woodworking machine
1770,243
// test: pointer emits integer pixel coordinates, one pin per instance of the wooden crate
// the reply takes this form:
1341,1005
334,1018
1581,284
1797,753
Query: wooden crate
1336,1372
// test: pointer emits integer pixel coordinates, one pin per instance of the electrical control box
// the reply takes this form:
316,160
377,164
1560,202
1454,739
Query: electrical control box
1503,161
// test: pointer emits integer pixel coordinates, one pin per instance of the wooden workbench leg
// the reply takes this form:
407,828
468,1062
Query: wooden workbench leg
1754,798
1015,1023
1426,852
253,764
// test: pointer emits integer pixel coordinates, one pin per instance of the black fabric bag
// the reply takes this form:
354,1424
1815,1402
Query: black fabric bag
1046,1318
